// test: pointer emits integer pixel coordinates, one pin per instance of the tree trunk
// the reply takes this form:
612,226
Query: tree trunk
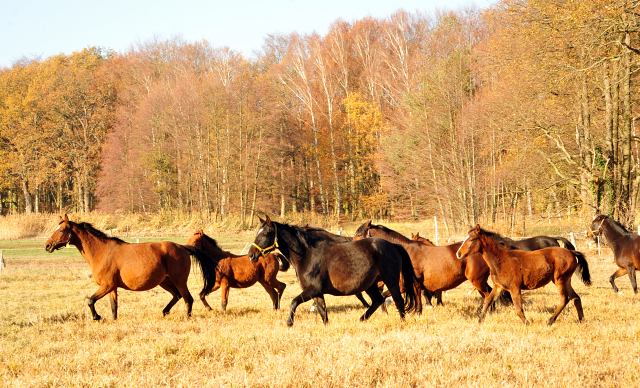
28,205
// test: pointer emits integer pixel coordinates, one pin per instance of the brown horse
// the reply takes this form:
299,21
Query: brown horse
136,267
625,246
237,271
516,270
436,267
428,295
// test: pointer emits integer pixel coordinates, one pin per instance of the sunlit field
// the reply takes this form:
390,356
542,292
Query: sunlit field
47,336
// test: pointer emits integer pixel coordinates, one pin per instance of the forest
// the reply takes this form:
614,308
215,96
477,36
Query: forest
471,115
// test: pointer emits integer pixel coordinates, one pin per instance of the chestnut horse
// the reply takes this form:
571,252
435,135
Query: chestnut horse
625,246
427,294
515,270
436,267
237,271
136,267
326,267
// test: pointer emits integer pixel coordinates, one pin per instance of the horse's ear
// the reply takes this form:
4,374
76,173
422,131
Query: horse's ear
413,236
477,228
368,224
418,234
261,220
61,219
267,220
200,232
66,218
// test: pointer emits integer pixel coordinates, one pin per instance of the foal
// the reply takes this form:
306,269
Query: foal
236,271
516,270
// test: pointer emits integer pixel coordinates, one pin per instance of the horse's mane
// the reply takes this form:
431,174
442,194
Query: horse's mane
97,233
304,236
319,232
620,228
211,241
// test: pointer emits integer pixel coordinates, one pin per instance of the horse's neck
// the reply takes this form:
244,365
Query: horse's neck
392,236
614,236
297,248
216,252
492,252
89,246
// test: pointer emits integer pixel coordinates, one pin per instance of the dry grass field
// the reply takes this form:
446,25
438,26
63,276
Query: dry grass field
47,337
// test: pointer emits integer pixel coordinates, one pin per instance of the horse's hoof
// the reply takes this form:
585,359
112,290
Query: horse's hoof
97,317
619,292
289,322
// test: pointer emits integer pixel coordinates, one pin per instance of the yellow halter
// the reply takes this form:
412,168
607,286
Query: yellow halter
265,251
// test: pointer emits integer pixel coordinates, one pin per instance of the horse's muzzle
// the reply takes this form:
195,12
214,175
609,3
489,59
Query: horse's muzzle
252,257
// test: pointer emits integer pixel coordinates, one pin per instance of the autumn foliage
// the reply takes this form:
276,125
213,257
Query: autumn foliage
469,115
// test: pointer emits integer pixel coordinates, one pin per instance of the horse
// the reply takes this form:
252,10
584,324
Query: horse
325,267
135,267
533,243
325,234
625,246
515,270
427,294
436,267
237,271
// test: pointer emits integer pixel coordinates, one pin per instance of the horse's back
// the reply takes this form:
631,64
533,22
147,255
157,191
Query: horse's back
542,266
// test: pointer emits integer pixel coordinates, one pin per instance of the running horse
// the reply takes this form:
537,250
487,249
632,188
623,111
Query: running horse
515,270
325,267
135,267
436,267
532,243
237,271
625,246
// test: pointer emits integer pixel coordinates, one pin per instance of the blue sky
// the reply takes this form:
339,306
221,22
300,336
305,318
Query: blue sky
31,28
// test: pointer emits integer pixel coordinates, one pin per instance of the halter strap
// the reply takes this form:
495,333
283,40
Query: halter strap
265,251
63,243
599,226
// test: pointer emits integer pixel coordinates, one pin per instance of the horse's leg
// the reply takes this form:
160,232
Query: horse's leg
362,300
488,301
100,293
516,295
385,295
202,296
427,297
439,299
114,303
376,300
322,308
562,290
417,289
571,294
631,270
617,274
168,285
272,293
306,295
224,294
186,295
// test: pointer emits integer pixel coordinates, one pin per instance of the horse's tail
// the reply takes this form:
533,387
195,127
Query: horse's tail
207,266
409,276
566,243
583,267
284,263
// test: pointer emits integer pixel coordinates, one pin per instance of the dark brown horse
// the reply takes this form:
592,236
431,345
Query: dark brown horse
237,271
325,234
515,270
532,243
625,246
136,267
325,267
436,267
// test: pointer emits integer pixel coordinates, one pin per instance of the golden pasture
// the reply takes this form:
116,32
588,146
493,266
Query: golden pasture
47,337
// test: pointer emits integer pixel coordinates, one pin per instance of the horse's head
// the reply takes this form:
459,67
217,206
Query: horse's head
471,244
61,236
266,240
363,231
596,225
196,239
417,237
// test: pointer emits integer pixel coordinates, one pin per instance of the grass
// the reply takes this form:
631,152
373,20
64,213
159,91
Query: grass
47,337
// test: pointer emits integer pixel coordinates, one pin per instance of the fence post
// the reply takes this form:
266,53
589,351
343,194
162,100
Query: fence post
435,221
573,240
2,264
598,238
